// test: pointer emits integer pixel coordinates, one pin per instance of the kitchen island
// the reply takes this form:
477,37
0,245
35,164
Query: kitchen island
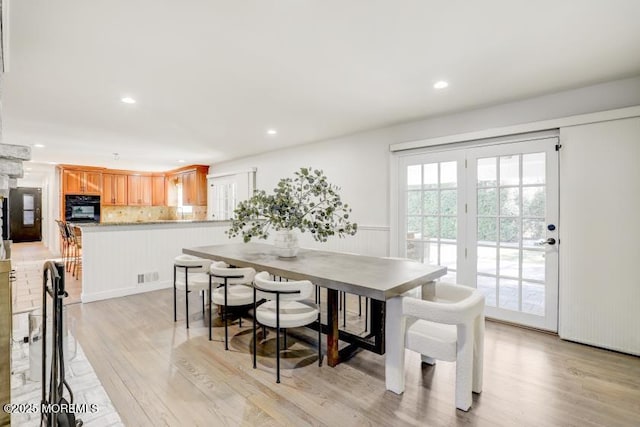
120,259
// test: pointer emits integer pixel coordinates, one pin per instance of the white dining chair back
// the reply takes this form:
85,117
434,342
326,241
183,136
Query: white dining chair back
301,289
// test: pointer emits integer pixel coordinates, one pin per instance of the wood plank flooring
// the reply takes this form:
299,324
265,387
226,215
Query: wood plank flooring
158,373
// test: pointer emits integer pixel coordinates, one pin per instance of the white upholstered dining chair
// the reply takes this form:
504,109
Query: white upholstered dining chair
450,328
233,290
283,309
190,274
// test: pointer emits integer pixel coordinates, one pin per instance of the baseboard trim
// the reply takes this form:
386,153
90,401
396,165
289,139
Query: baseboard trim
123,292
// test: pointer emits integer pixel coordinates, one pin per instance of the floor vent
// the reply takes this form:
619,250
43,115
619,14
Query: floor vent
148,277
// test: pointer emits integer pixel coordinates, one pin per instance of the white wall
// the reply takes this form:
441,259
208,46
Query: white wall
600,234
360,163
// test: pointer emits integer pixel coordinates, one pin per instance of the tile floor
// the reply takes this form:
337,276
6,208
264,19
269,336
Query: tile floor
27,261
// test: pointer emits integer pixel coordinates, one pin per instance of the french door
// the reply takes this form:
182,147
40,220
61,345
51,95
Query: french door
490,214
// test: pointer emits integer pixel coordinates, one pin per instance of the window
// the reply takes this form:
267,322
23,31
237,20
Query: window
182,208
28,213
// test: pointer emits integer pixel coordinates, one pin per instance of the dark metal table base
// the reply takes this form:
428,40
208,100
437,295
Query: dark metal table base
374,341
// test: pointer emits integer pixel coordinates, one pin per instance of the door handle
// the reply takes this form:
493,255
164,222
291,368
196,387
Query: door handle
550,241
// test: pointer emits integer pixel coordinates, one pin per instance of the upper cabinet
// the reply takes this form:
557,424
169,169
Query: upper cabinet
130,188
77,181
158,190
190,183
139,190
114,189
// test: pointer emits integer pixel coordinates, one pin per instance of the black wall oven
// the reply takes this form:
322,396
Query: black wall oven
79,208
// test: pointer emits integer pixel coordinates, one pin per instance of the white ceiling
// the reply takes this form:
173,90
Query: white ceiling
211,77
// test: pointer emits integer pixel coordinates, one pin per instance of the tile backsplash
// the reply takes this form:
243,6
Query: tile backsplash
116,214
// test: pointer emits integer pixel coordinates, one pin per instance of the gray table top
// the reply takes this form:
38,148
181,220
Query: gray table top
373,277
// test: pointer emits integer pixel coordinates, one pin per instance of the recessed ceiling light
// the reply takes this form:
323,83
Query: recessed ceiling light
27,169
272,132
128,100
180,161
52,163
440,84
38,145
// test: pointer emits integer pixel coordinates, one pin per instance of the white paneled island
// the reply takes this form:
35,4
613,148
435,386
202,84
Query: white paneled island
129,258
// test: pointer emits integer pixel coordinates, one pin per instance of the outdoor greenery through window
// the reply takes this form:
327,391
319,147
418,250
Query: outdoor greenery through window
432,214
510,221
489,213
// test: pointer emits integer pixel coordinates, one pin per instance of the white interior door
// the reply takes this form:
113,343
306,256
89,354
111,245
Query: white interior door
490,214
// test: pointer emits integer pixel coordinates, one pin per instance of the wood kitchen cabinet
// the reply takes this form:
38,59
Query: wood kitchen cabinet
193,181
118,187
158,190
114,189
140,187
75,181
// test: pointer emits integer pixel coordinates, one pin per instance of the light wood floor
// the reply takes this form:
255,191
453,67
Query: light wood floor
158,373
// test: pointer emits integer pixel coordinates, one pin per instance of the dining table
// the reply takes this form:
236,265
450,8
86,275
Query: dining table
377,278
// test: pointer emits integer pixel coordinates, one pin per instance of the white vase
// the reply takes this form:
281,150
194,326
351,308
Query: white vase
286,243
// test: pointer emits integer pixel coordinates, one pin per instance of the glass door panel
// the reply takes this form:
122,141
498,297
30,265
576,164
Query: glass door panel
515,209
433,210
483,212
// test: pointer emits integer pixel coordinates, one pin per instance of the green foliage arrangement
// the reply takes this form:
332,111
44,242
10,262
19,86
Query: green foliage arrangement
307,202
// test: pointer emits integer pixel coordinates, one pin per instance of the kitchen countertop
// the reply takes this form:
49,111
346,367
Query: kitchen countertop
156,222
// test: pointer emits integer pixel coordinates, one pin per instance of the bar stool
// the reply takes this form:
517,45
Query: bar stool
74,251
231,291
190,273
64,242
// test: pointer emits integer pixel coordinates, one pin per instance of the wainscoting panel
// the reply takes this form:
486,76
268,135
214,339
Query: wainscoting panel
129,259
369,240
115,256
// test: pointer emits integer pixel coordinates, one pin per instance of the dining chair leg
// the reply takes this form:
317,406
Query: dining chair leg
203,292
277,338
319,335
344,311
210,314
226,318
359,306
366,314
240,320
175,314
186,295
255,345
